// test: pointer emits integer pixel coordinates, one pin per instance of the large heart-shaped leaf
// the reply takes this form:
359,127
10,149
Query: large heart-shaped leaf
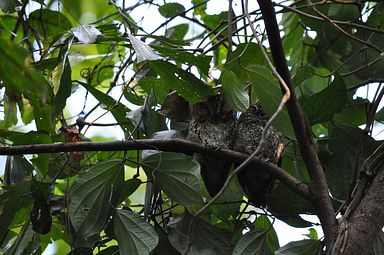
176,174
133,234
89,197
198,236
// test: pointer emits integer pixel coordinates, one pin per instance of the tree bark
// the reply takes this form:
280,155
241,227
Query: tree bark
318,186
360,229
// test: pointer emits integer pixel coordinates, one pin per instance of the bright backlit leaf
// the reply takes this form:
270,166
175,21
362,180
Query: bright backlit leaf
86,33
143,51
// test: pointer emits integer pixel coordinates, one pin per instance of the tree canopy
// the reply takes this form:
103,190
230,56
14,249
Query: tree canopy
68,68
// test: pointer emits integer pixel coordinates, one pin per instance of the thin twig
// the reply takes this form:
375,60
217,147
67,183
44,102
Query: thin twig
324,17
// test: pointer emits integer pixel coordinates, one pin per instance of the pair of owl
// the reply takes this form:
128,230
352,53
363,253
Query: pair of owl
215,124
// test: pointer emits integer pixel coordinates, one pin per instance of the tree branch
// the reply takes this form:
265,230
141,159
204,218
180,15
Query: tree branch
318,186
362,225
174,145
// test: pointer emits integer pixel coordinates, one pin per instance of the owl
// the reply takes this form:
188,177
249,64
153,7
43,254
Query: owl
254,182
212,124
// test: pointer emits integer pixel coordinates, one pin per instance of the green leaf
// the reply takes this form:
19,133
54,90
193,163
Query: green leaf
343,145
269,93
65,86
48,64
151,119
35,137
164,246
118,110
303,247
343,12
17,75
146,118
226,206
133,234
354,113
159,87
202,62
199,236
176,174
26,111
171,9
48,22
246,54
235,94
285,202
251,243
10,113
271,240
7,24
177,32
322,106
217,21
188,86
42,113
200,7
21,169
12,201
9,6
302,73
89,197
24,241
312,234
314,84
111,250
127,189
32,137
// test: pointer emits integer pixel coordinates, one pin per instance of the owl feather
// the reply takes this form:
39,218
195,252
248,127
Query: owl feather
212,125
256,182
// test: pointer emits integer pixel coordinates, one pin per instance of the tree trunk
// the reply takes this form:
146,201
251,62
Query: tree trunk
359,229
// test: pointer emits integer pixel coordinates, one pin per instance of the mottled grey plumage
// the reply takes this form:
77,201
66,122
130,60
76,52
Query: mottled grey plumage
213,125
254,182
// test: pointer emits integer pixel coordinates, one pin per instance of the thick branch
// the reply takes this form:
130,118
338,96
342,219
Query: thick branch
174,145
318,187
363,227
